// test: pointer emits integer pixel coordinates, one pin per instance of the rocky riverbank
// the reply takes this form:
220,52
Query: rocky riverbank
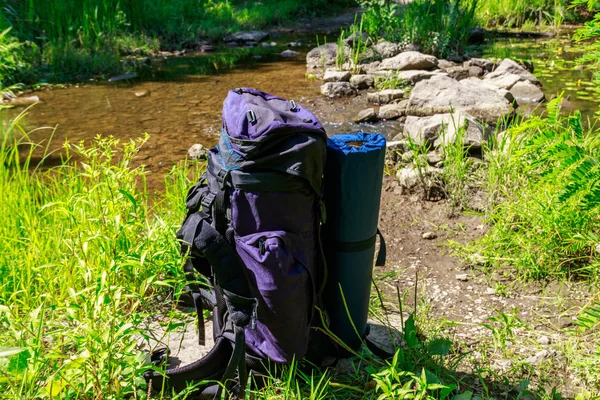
433,99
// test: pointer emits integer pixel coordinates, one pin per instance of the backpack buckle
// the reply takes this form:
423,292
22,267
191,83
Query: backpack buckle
222,176
251,117
293,105
208,200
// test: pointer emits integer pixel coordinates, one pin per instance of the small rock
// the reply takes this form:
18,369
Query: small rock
414,76
434,158
142,93
544,340
385,96
506,81
409,60
293,44
324,56
124,77
462,277
476,36
538,357
356,38
429,235
368,115
598,248
475,71
490,291
22,101
290,53
458,73
445,64
207,48
408,157
387,49
526,92
336,76
504,364
393,111
508,66
337,89
245,37
362,81
487,65
197,152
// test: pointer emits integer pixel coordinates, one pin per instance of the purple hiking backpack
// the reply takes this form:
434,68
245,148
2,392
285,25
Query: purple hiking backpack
252,230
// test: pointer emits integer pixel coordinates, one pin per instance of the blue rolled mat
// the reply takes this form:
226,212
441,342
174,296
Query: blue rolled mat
353,180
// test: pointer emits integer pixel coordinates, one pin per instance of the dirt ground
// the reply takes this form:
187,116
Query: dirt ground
459,296
454,300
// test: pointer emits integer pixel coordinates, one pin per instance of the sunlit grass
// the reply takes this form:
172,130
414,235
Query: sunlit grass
85,250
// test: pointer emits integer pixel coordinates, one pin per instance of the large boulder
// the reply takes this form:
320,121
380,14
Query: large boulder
332,75
337,89
323,56
443,129
387,49
409,60
442,94
508,66
385,96
526,92
362,81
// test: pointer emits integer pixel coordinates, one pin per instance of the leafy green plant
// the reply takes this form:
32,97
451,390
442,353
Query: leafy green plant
503,326
391,82
409,375
458,168
589,32
420,163
86,254
439,27
589,317
13,65
551,177
523,14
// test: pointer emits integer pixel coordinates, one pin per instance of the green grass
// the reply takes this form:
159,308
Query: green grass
439,27
544,184
88,256
84,255
75,39
528,15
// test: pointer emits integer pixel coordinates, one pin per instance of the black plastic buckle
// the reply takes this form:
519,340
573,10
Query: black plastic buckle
251,117
208,200
293,105
222,176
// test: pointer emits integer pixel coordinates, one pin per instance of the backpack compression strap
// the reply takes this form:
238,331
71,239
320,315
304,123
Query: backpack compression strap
203,242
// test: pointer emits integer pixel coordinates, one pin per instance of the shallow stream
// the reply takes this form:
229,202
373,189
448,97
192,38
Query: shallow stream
178,102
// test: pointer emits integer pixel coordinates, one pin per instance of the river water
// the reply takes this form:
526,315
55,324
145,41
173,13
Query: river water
182,103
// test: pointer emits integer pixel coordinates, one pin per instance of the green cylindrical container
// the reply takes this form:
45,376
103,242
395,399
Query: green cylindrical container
353,179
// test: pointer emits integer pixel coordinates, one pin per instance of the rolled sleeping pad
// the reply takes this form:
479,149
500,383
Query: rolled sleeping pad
353,180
